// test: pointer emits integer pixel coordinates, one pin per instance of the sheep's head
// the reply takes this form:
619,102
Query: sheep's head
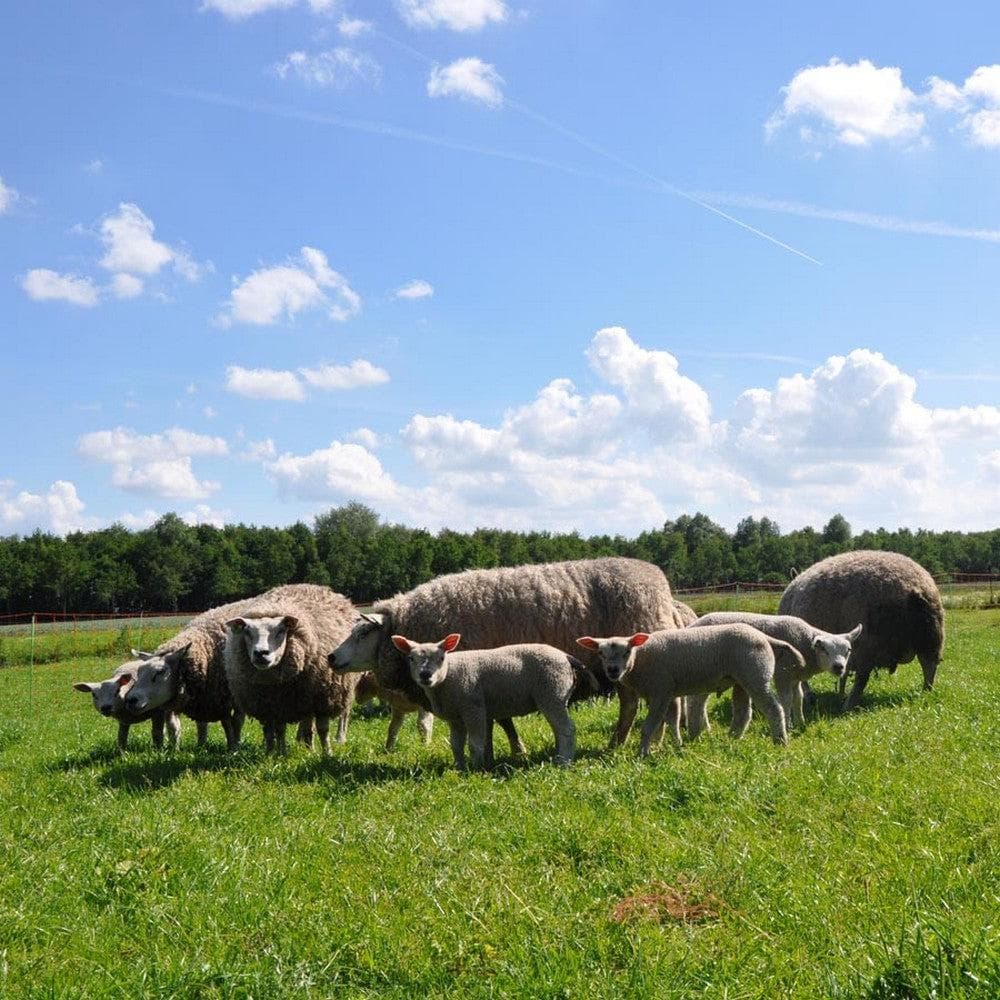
360,648
833,651
617,653
428,661
264,638
107,694
155,681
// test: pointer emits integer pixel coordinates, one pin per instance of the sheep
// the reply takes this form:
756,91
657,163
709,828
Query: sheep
894,598
665,666
369,688
820,651
109,699
549,603
684,614
472,688
275,661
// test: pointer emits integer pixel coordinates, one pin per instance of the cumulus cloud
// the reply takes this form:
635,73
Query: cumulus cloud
271,294
240,10
339,68
351,27
357,374
458,15
58,510
43,285
126,286
158,464
856,104
203,514
264,383
366,437
341,470
7,196
470,79
415,289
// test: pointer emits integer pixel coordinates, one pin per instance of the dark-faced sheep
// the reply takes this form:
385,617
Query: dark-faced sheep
549,603
894,598
276,661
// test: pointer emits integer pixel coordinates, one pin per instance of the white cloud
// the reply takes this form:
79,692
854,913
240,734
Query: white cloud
7,196
260,451
239,10
852,103
470,79
339,471
203,514
42,285
126,286
59,510
357,374
285,290
139,522
351,27
264,383
158,464
95,166
339,67
415,289
366,437
459,15
132,249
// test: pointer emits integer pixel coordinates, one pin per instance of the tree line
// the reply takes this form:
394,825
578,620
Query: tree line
175,566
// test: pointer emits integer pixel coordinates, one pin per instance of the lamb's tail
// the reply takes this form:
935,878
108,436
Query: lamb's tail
584,682
787,650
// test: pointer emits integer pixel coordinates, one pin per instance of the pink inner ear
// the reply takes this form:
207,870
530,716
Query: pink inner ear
587,642
124,679
638,639
450,641
401,643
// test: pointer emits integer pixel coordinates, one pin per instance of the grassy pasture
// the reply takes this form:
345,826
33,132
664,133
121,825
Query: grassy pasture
862,861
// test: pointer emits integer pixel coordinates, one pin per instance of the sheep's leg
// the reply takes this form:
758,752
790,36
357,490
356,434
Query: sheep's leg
202,728
345,718
697,715
860,680
268,737
279,737
304,734
425,723
842,685
788,694
323,731
158,720
929,666
628,705
457,739
517,748
798,698
564,732
123,728
742,712
395,724
478,726
173,721
766,702
658,708
674,721
239,717
488,760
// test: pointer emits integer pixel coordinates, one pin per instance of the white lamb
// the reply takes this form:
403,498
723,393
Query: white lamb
471,689
663,667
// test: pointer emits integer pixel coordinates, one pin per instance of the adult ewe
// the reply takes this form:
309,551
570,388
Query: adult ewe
275,661
549,603
895,600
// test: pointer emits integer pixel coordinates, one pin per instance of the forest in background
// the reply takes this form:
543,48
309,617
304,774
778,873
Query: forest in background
174,566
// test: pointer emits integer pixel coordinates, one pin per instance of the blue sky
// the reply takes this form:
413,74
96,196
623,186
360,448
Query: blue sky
463,260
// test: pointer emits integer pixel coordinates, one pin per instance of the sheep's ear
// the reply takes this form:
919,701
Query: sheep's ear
138,654
855,632
449,642
86,686
587,642
638,639
236,624
373,619
177,656
289,621
402,643
124,679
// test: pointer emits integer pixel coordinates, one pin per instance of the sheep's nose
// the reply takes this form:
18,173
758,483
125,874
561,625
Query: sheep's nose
332,661
132,702
425,675
259,657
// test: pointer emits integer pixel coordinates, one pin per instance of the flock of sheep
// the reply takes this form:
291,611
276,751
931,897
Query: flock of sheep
534,639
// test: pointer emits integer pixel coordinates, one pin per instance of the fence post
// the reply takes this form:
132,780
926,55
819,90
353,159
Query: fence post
31,668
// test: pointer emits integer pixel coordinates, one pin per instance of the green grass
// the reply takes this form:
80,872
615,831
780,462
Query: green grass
861,861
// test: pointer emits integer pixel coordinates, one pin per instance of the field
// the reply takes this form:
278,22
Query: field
862,861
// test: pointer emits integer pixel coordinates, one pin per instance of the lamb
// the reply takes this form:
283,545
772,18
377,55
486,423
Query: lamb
472,688
665,666
369,688
894,598
548,603
819,650
275,661
109,700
